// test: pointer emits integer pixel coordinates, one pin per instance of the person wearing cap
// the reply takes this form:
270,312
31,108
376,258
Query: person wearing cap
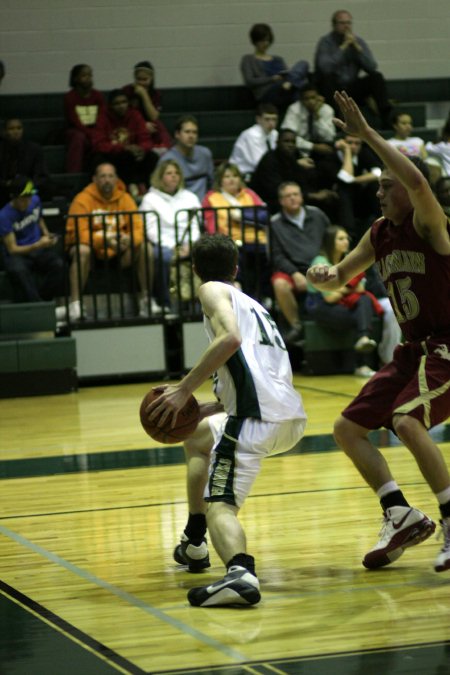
20,156
143,96
28,249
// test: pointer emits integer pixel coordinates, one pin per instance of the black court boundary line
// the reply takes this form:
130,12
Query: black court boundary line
305,387
71,631
172,503
303,659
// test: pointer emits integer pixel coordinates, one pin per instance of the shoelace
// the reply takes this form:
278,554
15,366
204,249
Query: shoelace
444,532
384,524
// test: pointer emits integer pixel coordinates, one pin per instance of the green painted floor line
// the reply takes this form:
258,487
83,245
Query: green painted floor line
167,455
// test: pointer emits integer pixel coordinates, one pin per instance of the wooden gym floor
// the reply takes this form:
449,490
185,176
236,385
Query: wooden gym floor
92,509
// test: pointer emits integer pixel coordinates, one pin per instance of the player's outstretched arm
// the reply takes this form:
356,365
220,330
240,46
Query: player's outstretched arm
331,278
429,218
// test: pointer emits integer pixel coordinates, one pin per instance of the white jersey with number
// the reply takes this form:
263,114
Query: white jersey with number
257,380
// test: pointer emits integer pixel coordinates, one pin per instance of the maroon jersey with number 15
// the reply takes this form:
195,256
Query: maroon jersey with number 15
417,278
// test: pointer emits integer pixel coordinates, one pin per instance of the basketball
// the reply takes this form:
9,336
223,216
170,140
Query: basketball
187,420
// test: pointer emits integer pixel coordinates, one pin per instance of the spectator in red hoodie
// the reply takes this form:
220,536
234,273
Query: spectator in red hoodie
121,137
82,107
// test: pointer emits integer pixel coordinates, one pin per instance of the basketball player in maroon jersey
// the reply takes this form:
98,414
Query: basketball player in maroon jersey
410,244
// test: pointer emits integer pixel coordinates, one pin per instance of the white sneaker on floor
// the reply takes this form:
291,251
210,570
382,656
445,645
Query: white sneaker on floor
365,345
61,313
442,561
364,371
238,587
403,526
75,310
143,308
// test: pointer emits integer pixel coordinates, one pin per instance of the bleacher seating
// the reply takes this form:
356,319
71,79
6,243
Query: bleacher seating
33,360
222,113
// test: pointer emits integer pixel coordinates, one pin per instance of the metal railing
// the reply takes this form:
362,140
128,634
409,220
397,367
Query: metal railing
159,278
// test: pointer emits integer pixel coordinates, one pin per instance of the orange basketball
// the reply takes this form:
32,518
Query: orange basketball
187,420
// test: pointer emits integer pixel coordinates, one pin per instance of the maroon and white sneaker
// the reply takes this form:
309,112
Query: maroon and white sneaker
403,526
442,562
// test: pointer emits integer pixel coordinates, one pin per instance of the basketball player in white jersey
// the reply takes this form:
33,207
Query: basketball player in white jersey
260,414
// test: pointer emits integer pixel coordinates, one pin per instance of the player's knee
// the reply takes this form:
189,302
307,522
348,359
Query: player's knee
405,427
345,433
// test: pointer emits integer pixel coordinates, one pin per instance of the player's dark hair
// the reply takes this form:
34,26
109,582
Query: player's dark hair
215,257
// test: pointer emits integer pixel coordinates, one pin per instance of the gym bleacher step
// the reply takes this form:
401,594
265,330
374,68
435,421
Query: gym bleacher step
32,360
27,318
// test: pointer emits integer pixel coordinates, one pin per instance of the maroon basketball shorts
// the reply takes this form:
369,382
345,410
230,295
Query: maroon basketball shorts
415,383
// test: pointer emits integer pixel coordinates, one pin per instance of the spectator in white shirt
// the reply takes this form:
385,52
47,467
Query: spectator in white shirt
312,120
441,149
255,141
413,146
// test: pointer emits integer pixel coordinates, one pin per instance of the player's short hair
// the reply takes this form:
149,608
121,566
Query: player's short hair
215,257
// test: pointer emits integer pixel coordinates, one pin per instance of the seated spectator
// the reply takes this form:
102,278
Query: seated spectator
174,225
28,249
111,234
144,97
267,76
82,107
442,191
413,146
348,308
340,57
296,236
285,163
312,120
122,139
254,142
441,149
195,160
20,157
235,214
357,185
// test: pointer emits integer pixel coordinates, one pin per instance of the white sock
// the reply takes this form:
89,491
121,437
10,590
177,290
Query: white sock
444,496
390,486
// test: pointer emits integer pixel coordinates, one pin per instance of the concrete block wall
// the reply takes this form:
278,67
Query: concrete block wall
199,43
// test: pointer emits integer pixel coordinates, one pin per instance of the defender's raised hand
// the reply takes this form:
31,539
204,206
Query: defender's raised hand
354,121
